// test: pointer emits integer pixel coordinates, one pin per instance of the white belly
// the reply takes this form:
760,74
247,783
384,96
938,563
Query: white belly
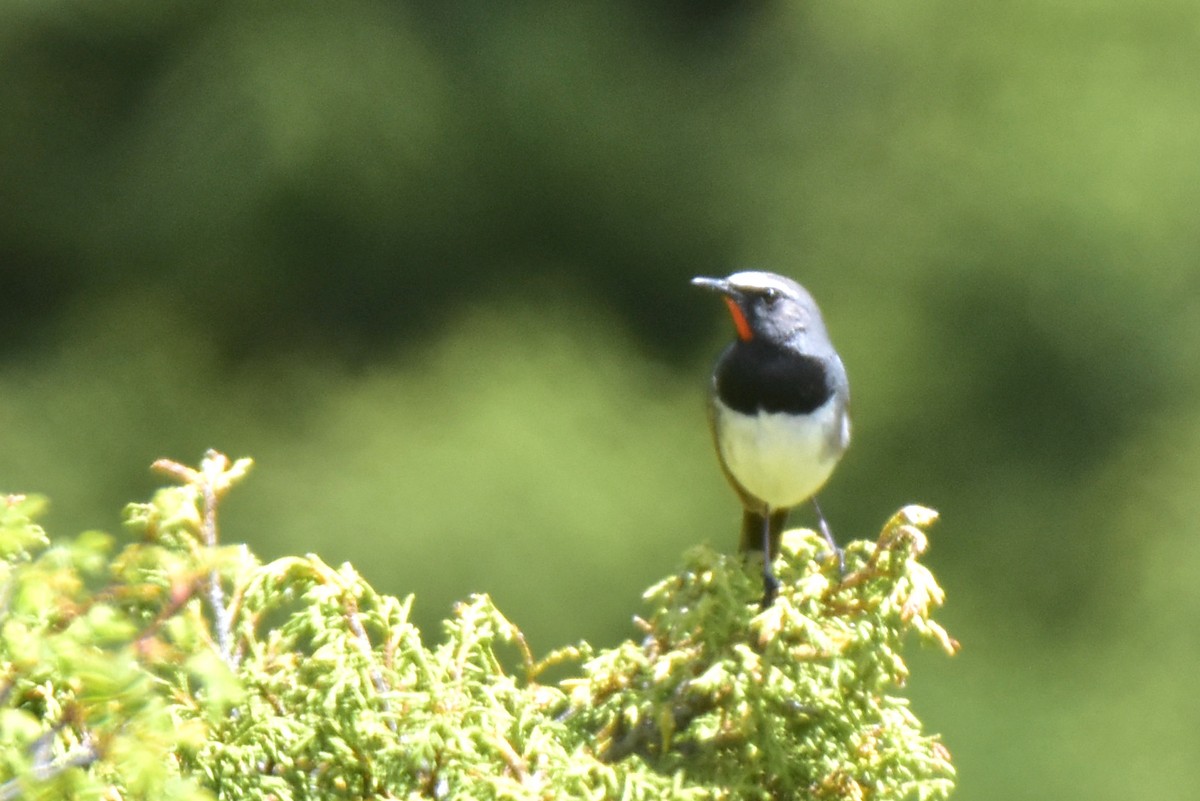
778,458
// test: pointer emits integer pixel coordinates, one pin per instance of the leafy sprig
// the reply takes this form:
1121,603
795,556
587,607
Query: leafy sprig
175,667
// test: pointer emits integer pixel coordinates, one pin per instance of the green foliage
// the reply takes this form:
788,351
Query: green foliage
795,698
102,665
176,668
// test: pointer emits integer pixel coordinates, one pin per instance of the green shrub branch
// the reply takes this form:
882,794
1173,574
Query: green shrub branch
174,667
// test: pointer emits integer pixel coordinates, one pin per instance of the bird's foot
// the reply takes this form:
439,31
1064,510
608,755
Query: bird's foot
833,546
770,589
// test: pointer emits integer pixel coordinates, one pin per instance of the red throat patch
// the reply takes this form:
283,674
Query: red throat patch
739,320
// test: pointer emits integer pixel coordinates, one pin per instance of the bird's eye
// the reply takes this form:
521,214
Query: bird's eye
770,296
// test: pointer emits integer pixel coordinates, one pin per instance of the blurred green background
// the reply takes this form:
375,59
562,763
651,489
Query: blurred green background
427,263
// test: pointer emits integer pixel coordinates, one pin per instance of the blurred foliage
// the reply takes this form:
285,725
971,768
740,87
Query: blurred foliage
428,262
107,674
177,668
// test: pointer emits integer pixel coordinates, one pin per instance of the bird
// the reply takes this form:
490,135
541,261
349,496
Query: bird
779,408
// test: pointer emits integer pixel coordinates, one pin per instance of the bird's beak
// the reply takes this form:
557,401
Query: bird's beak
733,299
720,285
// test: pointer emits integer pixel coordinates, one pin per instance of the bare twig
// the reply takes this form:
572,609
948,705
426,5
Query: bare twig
79,757
208,532
215,476
364,645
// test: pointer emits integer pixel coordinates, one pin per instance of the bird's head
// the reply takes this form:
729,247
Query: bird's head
767,307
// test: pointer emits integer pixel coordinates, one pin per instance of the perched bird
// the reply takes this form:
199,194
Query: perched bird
778,407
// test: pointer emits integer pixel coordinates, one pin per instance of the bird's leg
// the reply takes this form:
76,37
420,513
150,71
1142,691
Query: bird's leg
841,555
770,583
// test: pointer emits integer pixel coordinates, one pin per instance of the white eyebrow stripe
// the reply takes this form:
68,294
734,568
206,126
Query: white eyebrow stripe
755,280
